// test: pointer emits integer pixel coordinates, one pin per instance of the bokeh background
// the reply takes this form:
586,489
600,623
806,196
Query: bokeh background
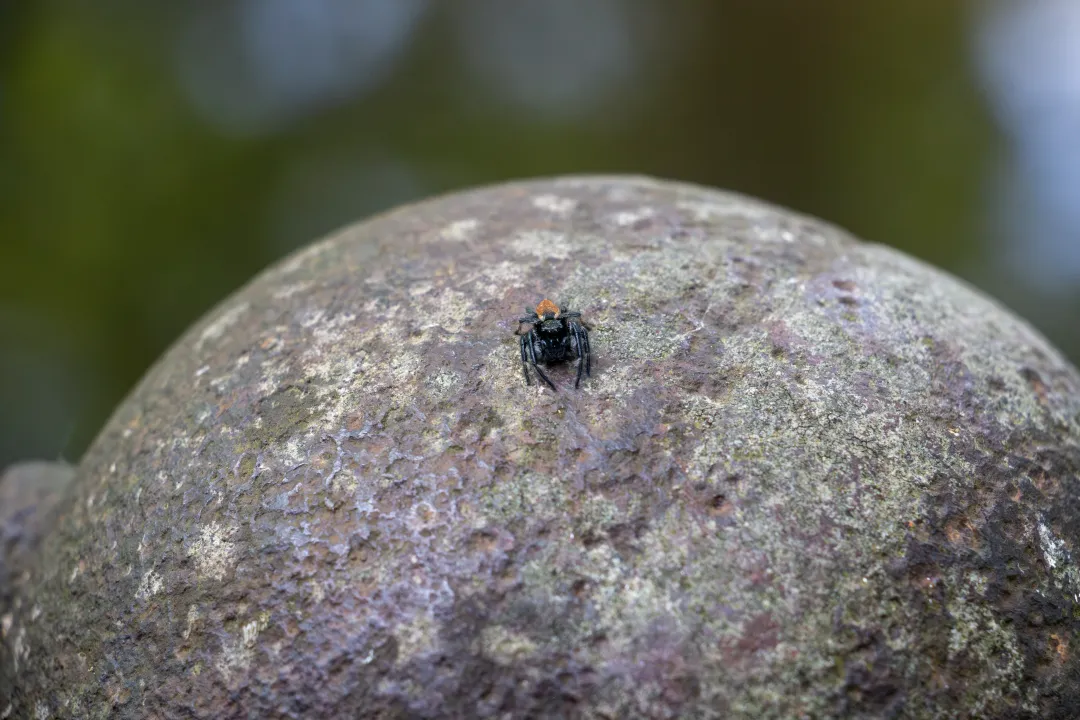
156,154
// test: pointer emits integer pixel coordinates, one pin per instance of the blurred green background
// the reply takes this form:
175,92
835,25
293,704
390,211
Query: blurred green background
155,155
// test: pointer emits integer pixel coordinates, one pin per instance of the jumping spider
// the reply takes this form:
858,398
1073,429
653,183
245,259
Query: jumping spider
557,335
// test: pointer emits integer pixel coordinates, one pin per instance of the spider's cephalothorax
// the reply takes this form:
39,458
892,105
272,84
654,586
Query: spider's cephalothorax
557,335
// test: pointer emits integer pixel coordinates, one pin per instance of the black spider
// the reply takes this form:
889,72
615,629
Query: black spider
557,335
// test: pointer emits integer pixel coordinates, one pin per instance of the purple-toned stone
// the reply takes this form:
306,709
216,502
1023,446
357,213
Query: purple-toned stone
809,477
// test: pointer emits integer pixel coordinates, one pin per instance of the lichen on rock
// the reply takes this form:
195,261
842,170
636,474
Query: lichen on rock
809,476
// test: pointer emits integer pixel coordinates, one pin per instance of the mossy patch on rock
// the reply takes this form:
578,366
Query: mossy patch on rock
809,476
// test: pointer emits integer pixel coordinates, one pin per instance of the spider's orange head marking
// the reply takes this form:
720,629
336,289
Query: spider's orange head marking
546,307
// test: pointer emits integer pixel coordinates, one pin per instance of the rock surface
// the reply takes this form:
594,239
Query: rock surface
808,477
28,493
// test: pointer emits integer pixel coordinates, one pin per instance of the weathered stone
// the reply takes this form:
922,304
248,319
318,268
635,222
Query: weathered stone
808,477
28,492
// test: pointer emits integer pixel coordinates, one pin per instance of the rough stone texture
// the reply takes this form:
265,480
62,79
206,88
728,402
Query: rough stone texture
809,477
28,492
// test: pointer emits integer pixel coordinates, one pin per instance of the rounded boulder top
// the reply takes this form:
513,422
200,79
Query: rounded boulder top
807,477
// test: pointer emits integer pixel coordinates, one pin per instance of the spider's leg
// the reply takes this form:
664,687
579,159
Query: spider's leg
532,353
582,353
584,332
588,352
524,360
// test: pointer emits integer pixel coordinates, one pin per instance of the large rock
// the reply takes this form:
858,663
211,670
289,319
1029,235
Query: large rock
28,492
808,477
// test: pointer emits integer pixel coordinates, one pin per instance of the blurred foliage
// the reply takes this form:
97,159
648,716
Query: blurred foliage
127,211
